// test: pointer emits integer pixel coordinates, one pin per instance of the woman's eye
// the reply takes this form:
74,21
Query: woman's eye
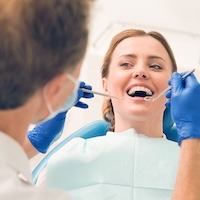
155,66
126,64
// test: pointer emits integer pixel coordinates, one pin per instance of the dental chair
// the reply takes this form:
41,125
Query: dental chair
99,128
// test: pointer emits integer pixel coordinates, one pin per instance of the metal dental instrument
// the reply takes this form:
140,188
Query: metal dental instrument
152,99
99,93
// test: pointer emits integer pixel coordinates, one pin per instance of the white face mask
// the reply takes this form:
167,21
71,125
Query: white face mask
70,101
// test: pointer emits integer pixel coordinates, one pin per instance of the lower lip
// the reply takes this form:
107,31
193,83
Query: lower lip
137,98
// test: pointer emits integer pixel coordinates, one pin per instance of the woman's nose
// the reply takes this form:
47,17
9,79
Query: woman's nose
140,73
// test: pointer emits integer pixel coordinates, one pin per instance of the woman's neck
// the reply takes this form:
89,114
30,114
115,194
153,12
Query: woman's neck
149,127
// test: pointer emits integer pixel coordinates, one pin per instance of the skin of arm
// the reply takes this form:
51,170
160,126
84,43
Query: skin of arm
187,185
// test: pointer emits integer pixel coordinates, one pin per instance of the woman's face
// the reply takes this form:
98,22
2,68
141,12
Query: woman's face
139,66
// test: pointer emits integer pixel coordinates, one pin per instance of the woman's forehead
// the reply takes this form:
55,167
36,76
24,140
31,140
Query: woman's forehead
140,45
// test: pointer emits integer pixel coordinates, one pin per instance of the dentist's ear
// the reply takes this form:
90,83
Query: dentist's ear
55,90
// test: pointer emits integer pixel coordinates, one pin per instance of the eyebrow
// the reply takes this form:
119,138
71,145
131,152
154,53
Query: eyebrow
149,57
156,57
129,55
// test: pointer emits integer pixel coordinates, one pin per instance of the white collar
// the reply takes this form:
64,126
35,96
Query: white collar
132,131
13,155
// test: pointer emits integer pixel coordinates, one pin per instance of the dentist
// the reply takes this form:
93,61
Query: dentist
42,46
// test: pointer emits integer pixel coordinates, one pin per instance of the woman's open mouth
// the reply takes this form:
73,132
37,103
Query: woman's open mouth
139,91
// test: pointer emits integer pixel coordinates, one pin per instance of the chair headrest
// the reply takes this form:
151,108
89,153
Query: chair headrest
169,126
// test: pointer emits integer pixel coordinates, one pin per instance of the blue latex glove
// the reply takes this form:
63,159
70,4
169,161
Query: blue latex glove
185,107
43,135
82,94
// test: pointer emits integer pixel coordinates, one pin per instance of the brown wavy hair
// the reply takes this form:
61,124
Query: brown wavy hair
38,40
107,107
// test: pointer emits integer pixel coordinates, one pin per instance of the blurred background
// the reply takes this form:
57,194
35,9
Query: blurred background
177,20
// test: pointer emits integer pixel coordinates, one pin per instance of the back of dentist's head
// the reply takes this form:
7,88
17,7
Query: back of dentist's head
38,40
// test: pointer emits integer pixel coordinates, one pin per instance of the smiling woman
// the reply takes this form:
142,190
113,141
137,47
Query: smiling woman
134,160
141,64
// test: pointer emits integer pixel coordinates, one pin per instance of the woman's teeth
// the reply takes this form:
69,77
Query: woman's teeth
139,91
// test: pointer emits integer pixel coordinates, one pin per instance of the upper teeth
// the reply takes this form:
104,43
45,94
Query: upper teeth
140,88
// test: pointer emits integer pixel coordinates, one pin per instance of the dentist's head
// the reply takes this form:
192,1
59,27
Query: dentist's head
42,44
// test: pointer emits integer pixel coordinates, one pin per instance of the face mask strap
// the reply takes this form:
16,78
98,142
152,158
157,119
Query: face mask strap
49,108
71,78
48,105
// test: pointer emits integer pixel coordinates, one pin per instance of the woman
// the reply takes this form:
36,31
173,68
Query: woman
134,160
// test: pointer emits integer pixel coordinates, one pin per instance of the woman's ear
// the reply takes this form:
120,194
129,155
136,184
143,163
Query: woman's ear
105,84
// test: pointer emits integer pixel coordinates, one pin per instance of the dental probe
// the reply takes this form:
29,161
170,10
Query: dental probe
147,98
99,93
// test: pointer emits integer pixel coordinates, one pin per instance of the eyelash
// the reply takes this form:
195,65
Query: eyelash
157,67
127,64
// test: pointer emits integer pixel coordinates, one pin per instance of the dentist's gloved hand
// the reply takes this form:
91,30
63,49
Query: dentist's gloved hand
185,105
43,135
82,94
